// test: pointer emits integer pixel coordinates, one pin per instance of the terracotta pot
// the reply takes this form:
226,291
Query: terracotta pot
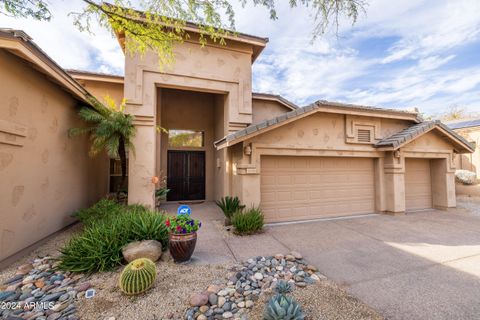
181,246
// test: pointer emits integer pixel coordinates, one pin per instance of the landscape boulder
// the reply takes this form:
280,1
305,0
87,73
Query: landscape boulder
150,249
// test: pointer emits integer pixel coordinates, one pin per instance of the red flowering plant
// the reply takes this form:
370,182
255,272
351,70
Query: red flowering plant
182,224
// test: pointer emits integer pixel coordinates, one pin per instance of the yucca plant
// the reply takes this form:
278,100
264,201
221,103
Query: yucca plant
229,206
110,128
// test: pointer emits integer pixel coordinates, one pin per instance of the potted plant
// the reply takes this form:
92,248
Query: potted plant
182,237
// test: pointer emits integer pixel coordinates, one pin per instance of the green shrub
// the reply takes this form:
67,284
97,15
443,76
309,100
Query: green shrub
98,247
229,206
248,222
104,208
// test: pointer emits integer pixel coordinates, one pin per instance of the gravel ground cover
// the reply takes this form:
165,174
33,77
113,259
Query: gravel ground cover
171,296
248,286
470,203
323,300
167,299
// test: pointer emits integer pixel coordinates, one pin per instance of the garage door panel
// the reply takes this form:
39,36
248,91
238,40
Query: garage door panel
418,186
315,187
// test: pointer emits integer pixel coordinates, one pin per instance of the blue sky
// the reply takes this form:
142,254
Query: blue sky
415,53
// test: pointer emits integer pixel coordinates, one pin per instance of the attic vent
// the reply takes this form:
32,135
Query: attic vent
364,135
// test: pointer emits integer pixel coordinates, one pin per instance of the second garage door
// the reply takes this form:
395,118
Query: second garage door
297,188
418,184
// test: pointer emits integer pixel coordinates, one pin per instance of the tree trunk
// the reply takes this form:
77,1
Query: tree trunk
123,163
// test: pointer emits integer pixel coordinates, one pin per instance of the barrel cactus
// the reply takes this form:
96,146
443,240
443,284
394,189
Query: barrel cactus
281,307
138,276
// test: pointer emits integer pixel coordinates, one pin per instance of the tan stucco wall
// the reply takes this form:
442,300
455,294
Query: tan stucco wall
470,161
45,176
324,134
215,69
266,109
100,89
325,130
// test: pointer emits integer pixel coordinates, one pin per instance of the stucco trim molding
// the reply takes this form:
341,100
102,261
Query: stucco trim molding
12,133
210,83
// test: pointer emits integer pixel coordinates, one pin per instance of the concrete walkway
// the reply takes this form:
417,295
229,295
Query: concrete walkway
424,265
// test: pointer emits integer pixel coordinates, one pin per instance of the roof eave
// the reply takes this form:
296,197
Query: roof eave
274,97
258,44
464,147
30,52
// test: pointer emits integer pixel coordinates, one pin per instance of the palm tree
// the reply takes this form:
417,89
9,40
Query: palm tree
110,129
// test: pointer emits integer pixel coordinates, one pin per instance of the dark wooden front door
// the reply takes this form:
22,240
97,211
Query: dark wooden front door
186,175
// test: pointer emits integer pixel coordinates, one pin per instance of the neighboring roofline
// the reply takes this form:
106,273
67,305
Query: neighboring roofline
463,124
319,106
407,135
95,76
274,97
258,43
20,44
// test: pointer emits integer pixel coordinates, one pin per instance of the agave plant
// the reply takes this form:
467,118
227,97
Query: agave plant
283,287
229,206
281,307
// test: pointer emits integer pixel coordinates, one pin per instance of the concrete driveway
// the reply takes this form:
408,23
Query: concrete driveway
424,265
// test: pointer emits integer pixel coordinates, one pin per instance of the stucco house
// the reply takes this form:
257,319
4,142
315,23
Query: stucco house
470,130
322,160
325,159
44,175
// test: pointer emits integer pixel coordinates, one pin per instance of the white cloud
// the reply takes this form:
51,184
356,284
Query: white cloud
420,62
69,47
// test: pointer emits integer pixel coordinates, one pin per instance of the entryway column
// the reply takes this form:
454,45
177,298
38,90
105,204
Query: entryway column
443,183
141,168
246,175
394,175
142,104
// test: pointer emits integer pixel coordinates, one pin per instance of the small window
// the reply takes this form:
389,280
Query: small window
364,135
185,138
116,175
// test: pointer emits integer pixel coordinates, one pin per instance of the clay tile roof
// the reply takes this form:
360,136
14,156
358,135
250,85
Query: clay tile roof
265,124
309,108
364,107
408,134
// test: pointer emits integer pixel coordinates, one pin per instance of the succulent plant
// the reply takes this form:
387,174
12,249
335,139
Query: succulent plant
283,287
138,276
229,205
281,307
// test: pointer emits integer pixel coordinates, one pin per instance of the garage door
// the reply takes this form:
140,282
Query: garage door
296,188
418,184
